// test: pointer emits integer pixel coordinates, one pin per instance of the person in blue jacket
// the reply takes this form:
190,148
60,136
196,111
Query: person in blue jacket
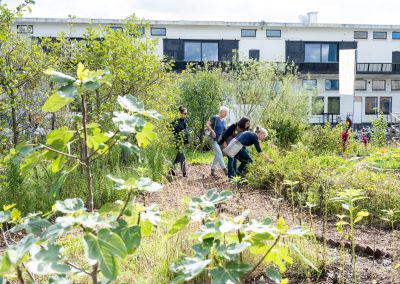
180,131
231,132
249,138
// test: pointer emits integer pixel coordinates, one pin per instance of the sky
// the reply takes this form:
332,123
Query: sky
332,11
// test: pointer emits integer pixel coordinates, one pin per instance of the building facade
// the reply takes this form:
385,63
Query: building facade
313,47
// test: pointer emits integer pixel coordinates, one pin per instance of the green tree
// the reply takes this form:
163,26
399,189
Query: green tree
21,67
265,92
380,128
202,93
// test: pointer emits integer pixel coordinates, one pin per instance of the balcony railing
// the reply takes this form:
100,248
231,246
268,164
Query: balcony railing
378,68
313,68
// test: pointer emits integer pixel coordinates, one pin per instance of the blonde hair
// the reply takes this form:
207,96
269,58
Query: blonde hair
223,108
259,129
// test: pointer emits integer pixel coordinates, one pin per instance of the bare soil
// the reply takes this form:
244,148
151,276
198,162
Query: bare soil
374,254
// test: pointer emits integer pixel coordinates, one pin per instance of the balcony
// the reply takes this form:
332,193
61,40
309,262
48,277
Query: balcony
378,68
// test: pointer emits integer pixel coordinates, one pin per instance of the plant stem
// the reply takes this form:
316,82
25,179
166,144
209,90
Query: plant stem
77,268
125,205
94,273
19,274
86,156
353,251
265,255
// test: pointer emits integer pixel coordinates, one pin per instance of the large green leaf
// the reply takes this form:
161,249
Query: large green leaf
145,136
229,273
59,181
130,235
68,91
128,147
273,275
46,260
131,104
55,102
104,248
179,225
31,224
18,252
152,213
72,205
231,251
187,268
59,77
59,138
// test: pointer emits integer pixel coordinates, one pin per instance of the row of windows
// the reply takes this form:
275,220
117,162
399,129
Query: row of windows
253,32
359,85
373,105
375,35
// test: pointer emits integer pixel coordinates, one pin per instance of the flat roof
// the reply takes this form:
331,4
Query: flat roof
210,23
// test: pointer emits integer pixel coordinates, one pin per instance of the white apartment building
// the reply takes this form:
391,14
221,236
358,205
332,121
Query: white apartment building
313,47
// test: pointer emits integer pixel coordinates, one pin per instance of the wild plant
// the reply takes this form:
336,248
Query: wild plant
223,240
391,216
348,199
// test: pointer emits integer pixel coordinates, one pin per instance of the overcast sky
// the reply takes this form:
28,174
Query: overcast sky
330,11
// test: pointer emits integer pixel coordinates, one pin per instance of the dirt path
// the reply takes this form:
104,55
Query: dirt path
262,205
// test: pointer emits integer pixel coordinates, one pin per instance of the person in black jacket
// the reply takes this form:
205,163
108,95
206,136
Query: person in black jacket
233,130
181,138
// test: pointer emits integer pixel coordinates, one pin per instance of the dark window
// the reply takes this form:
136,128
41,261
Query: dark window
395,35
318,105
273,33
385,105
158,31
371,105
248,33
334,105
379,35
395,85
117,29
309,84
25,29
331,85
360,85
321,52
200,51
378,85
360,35
254,54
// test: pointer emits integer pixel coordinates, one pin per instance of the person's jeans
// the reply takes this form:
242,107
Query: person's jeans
244,158
232,166
218,157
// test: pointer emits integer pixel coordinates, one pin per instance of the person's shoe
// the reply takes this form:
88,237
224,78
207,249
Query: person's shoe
185,175
225,171
213,173
172,172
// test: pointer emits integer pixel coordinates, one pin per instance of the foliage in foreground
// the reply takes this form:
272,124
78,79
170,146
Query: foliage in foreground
223,240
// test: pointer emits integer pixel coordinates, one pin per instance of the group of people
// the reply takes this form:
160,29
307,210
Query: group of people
231,141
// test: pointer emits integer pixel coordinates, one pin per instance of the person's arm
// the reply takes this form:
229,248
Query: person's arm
259,150
209,124
227,133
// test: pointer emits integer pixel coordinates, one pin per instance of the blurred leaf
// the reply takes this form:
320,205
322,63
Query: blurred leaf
187,268
59,77
179,225
146,135
104,248
302,257
45,260
273,275
229,273
130,235
68,206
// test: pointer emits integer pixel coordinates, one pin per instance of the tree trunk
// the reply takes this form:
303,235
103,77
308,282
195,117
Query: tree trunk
86,159
14,119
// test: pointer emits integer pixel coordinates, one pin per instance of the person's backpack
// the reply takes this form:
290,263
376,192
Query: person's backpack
207,133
